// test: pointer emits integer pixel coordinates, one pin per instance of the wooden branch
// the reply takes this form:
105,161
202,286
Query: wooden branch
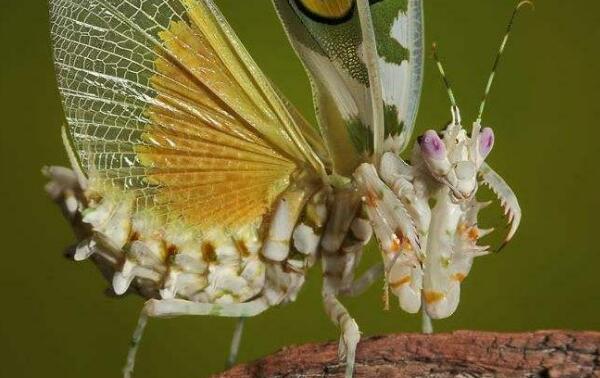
459,354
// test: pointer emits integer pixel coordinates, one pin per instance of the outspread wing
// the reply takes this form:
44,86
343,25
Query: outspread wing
327,37
163,101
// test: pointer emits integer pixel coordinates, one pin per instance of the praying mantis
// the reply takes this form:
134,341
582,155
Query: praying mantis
195,183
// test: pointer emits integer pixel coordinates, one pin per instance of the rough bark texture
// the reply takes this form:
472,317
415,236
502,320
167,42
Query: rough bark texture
459,354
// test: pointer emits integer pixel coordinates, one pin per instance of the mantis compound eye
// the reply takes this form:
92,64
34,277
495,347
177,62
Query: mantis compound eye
486,141
434,153
432,146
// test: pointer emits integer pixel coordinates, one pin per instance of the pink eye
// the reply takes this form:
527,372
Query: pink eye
432,146
486,141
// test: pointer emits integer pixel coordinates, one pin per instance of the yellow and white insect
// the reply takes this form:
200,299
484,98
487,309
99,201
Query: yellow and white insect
196,184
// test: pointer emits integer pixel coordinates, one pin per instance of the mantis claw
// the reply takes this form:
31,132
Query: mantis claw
508,200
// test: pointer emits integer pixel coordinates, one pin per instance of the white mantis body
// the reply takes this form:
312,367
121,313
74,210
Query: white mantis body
196,184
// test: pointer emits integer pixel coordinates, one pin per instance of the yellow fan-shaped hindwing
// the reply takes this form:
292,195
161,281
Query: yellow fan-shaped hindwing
214,171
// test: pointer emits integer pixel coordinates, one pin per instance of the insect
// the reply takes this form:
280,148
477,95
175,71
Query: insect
196,184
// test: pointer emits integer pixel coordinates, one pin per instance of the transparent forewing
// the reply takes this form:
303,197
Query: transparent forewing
399,33
163,101
310,132
327,37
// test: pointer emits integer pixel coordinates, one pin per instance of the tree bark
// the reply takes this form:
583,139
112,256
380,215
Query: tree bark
460,354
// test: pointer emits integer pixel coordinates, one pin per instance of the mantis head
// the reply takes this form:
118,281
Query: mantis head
453,158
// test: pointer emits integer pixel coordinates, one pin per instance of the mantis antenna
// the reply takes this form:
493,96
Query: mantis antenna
498,55
455,112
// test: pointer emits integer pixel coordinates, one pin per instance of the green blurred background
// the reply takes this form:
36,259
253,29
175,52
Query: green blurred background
56,322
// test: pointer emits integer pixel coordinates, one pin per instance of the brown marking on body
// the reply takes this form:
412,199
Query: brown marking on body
473,233
371,198
433,296
400,242
93,197
242,248
134,236
403,280
460,277
171,250
208,252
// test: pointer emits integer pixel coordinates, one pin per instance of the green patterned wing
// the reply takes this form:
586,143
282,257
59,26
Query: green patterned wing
400,42
327,36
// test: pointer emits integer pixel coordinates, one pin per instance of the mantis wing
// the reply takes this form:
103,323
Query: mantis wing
327,36
164,104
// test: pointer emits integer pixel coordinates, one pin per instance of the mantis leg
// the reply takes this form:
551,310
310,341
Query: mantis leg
235,343
365,281
507,197
426,324
350,334
134,345
345,236
176,307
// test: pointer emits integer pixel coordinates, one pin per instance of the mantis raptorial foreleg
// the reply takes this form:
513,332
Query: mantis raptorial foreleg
177,307
507,197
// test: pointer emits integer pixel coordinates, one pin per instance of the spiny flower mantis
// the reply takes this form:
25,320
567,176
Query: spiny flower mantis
196,184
